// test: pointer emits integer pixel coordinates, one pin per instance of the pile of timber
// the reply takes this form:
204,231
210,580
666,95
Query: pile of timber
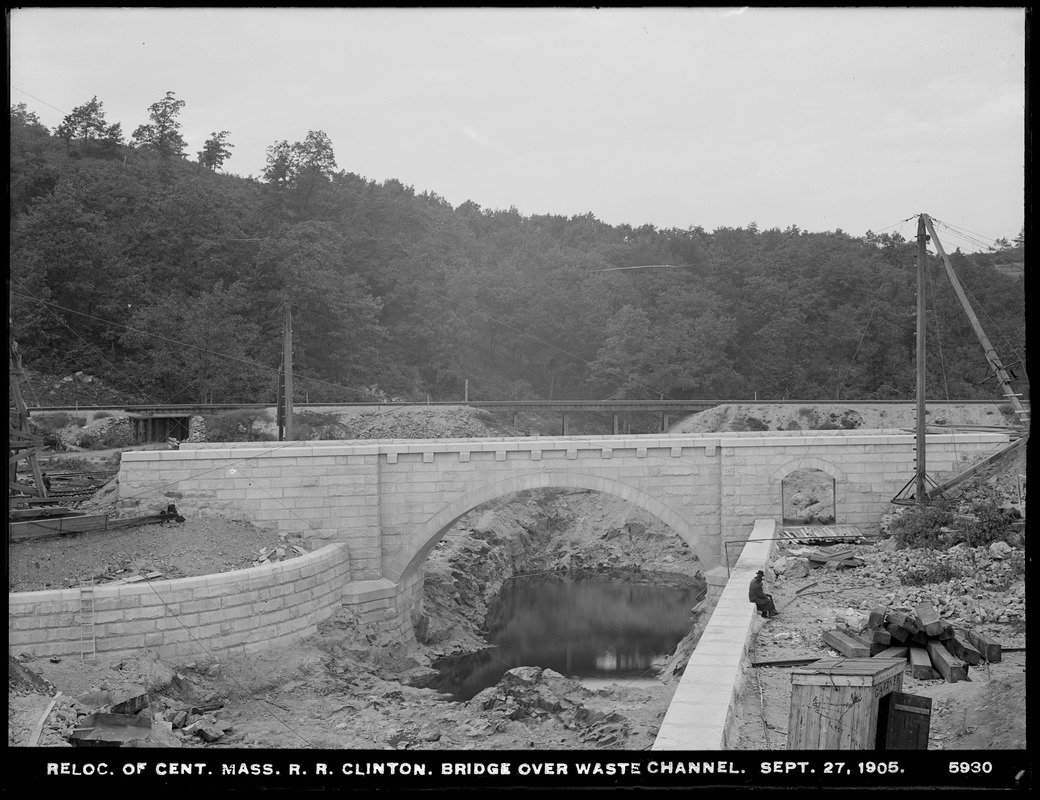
77,484
933,646
822,534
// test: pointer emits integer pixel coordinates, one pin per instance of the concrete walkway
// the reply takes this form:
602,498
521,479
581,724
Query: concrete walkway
699,716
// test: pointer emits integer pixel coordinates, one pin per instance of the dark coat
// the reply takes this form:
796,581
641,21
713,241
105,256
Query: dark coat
756,594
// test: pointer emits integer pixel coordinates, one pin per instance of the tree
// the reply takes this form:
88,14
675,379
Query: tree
196,347
87,125
215,151
290,165
34,173
163,134
301,167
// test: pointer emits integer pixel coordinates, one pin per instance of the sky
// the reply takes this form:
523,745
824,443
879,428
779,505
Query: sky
823,118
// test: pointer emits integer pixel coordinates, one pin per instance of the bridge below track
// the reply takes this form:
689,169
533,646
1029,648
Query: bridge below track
389,502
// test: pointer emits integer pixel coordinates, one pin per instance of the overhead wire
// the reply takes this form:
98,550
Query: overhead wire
76,333
862,338
1015,348
967,235
37,99
168,340
532,337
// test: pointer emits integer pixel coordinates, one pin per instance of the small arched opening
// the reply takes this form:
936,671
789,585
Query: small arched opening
809,498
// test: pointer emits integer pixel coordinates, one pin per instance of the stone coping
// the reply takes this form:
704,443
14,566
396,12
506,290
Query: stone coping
191,451
700,716
157,588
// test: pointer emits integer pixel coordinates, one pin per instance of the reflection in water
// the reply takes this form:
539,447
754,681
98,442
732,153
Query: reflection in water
587,627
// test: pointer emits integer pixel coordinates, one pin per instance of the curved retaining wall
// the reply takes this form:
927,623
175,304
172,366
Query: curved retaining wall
228,613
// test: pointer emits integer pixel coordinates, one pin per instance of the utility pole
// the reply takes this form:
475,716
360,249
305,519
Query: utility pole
922,255
287,358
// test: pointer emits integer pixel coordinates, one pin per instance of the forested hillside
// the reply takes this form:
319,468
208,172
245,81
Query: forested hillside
167,278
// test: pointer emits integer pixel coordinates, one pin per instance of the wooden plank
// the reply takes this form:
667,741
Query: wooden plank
898,651
842,665
32,451
786,662
804,723
930,621
83,524
845,644
990,649
963,650
942,487
24,488
27,514
824,532
38,729
909,719
56,527
880,636
898,634
921,664
949,666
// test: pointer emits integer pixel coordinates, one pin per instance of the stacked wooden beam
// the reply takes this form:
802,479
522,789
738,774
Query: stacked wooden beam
933,647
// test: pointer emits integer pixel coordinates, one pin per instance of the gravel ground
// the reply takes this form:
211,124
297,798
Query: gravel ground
173,549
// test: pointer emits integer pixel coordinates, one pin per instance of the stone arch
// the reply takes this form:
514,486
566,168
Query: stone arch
429,533
808,462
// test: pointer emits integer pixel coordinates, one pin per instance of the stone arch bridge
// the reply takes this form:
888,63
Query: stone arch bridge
390,501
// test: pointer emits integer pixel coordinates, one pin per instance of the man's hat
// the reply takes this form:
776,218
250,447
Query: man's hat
760,572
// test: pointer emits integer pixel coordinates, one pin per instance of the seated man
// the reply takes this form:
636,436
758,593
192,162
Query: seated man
758,596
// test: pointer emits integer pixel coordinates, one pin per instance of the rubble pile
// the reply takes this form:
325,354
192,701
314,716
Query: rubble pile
971,584
806,508
538,694
78,388
272,555
967,584
440,423
134,716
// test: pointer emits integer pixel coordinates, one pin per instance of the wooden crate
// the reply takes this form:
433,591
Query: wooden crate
835,702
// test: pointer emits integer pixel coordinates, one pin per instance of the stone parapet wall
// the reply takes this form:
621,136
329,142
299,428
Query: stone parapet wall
229,613
390,501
